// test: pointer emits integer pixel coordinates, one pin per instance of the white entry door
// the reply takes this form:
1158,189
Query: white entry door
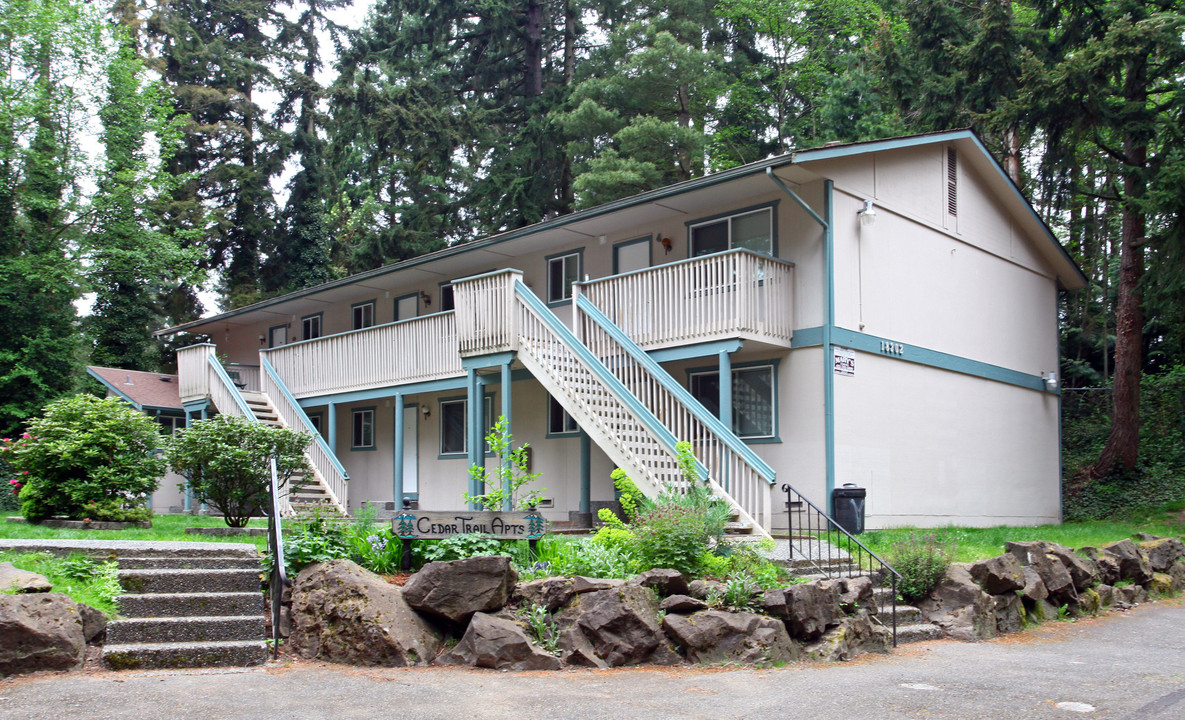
631,255
411,481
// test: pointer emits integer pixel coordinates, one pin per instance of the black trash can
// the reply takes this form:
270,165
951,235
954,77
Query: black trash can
848,504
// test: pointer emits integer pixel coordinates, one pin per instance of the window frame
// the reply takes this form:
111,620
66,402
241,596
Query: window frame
271,336
771,207
648,239
306,322
318,421
552,406
354,413
577,253
395,306
773,366
452,298
361,306
463,400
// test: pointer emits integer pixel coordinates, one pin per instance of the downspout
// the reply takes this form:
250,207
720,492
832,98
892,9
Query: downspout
826,222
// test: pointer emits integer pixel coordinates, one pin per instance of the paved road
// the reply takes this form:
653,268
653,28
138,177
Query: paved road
1125,666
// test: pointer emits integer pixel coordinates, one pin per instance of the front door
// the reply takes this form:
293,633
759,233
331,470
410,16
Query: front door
277,336
631,255
411,483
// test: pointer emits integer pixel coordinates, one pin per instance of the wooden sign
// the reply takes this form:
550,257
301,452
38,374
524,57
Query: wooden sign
417,525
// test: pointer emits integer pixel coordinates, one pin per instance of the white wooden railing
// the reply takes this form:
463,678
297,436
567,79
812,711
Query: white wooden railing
193,377
327,469
245,377
486,317
415,350
734,471
738,293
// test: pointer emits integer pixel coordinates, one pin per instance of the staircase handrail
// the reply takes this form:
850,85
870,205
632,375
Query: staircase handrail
240,402
302,416
824,533
278,578
640,411
669,383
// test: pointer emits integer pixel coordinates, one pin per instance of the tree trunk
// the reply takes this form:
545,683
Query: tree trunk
533,54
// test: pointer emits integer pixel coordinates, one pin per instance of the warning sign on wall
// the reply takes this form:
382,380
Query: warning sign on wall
845,361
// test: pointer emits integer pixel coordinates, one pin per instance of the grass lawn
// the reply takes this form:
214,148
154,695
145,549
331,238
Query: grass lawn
164,528
84,580
971,544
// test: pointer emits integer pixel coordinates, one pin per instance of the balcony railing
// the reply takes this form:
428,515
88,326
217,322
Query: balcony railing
738,293
408,351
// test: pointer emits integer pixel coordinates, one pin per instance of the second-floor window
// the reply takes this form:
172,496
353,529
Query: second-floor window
310,327
562,271
753,230
363,315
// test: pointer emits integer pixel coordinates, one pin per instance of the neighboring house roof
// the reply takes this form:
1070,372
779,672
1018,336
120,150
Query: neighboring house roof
1067,271
143,390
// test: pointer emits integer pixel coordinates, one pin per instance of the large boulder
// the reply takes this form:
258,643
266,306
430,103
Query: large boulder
808,609
1084,571
960,607
15,580
854,635
40,631
1034,590
682,604
715,636
854,593
498,643
664,581
550,593
610,628
1161,553
94,624
454,590
1177,573
1009,610
581,584
998,575
705,589
1107,563
344,613
1058,581
1133,564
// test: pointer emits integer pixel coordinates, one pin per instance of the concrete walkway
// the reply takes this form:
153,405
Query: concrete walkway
1124,666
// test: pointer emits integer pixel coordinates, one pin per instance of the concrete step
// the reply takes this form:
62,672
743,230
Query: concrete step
189,581
205,604
917,633
185,654
186,629
183,563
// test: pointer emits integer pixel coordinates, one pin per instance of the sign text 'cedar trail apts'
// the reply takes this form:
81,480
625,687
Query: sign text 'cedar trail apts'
414,525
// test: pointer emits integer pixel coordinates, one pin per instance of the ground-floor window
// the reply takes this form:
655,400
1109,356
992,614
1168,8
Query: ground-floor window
559,422
363,429
454,414
754,401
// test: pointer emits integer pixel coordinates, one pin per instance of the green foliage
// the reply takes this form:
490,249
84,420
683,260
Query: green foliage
227,457
590,558
542,627
922,562
504,486
740,593
459,547
86,458
629,495
84,579
610,536
316,540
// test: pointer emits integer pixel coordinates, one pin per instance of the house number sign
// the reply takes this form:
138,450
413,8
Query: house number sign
892,348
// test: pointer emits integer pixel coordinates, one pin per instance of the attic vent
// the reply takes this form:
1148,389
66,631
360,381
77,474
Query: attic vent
952,181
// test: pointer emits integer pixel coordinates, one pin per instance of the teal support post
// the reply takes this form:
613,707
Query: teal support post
473,436
397,480
187,501
585,473
331,411
202,507
725,405
828,336
507,502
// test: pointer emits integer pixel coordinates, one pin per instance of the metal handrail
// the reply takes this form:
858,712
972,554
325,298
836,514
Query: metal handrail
277,579
843,551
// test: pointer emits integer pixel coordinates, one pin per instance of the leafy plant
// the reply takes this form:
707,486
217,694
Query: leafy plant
505,482
459,547
318,540
543,628
739,593
922,563
227,459
592,559
85,457
630,496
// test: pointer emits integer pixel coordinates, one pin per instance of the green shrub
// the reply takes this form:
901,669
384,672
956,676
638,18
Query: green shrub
504,485
922,563
459,547
629,495
86,457
227,460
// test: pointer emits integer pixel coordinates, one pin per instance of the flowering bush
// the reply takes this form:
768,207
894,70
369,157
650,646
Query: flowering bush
85,457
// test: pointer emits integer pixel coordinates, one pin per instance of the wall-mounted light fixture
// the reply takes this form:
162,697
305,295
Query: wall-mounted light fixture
666,244
868,214
1050,379
427,301
262,339
424,409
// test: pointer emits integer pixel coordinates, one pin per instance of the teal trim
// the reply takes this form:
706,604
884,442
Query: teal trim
829,340
934,358
332,412
774,364
354,413
507,505
698,350
649,253
585,473
807,337
794,196
234,391
115,390
304,418
671,385
196,406
772,206
473,432
397,461
477,362
579,253
487,410
725,399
